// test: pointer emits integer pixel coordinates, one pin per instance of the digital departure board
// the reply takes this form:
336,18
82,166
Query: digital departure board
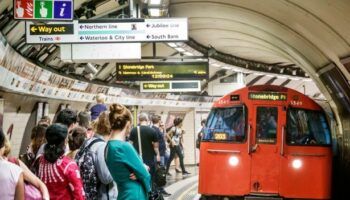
271,96
162,71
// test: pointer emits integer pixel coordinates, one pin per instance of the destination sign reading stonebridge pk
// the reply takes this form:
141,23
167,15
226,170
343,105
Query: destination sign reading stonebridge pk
162,71
97,31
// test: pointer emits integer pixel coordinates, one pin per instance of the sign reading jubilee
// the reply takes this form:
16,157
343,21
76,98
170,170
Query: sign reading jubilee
162,71
43,9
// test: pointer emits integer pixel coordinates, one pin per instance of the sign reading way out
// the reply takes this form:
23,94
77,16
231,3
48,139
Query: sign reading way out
107,31
162,71
170,86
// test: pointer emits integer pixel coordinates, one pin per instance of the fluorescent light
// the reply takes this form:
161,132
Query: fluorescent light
172,44
154,12
179,49
225,67
215,65
155,2
188,53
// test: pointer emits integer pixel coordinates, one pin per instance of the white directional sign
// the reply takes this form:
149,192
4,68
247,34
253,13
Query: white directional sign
135,30
170,86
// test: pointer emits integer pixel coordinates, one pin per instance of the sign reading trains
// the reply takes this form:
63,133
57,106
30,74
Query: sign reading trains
162,71
43,9
267,96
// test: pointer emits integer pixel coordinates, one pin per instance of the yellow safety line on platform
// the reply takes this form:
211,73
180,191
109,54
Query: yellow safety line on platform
186,191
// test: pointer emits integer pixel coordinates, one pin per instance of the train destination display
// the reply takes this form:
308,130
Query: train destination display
162,71
267,96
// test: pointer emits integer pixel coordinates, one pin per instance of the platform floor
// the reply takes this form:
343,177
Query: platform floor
183,187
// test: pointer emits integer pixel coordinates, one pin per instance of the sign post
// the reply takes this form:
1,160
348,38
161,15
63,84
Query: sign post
43,9
107,31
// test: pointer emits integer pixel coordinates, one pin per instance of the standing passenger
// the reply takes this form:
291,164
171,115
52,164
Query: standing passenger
60,174
175,136
11,176
122,159
99,107
98,182
149,142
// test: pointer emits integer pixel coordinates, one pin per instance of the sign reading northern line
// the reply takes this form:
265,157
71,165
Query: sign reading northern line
104,31
43,9
162,71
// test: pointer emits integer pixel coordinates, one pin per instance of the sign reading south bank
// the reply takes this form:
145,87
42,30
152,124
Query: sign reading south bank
107,31
43,9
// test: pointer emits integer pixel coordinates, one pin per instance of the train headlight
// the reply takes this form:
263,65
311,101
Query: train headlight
233,161
297,164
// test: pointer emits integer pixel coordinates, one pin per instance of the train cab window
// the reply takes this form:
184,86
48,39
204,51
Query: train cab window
266,125
226,125
306,127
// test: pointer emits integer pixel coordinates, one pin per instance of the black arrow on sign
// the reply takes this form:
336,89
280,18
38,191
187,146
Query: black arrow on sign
81,26
81,38
147,25
148,36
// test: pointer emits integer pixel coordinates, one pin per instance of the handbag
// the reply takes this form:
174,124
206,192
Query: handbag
30,191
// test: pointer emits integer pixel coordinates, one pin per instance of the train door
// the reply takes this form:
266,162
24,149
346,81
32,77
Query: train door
265,147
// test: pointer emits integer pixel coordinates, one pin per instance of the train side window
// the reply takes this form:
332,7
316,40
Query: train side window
226,125
266,125
306,127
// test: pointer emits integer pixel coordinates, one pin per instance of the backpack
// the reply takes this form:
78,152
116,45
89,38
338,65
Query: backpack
85,161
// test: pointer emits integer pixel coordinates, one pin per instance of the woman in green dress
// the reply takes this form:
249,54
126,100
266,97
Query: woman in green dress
122,159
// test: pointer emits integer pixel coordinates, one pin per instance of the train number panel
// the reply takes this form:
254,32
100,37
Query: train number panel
266,141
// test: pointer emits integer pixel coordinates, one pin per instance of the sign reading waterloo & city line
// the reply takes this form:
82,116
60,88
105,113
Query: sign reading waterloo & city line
43,9
107,31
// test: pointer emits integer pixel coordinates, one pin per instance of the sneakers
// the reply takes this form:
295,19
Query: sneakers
165,193
186,173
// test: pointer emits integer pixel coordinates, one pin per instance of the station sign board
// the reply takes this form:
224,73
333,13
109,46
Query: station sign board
43,9
170,86
162,71
268,96
108,31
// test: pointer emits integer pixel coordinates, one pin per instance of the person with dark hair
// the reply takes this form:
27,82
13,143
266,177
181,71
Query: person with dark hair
84,120
175,136
75,140
60,174
67,117
149,142
156,120
11,176
102,185
122,159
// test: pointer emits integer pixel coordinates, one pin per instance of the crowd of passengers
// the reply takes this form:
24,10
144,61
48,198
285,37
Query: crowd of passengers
93,154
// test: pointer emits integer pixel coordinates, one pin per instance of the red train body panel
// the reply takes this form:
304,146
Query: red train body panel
266,140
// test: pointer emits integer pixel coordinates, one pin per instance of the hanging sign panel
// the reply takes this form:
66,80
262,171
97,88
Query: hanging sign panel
107,31
43,9
162,71
170,86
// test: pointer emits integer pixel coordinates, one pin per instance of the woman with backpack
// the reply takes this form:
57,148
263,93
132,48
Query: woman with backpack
60,174
123,160
175,136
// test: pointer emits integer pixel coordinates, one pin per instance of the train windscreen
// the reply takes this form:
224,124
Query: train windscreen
225,125
306,127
